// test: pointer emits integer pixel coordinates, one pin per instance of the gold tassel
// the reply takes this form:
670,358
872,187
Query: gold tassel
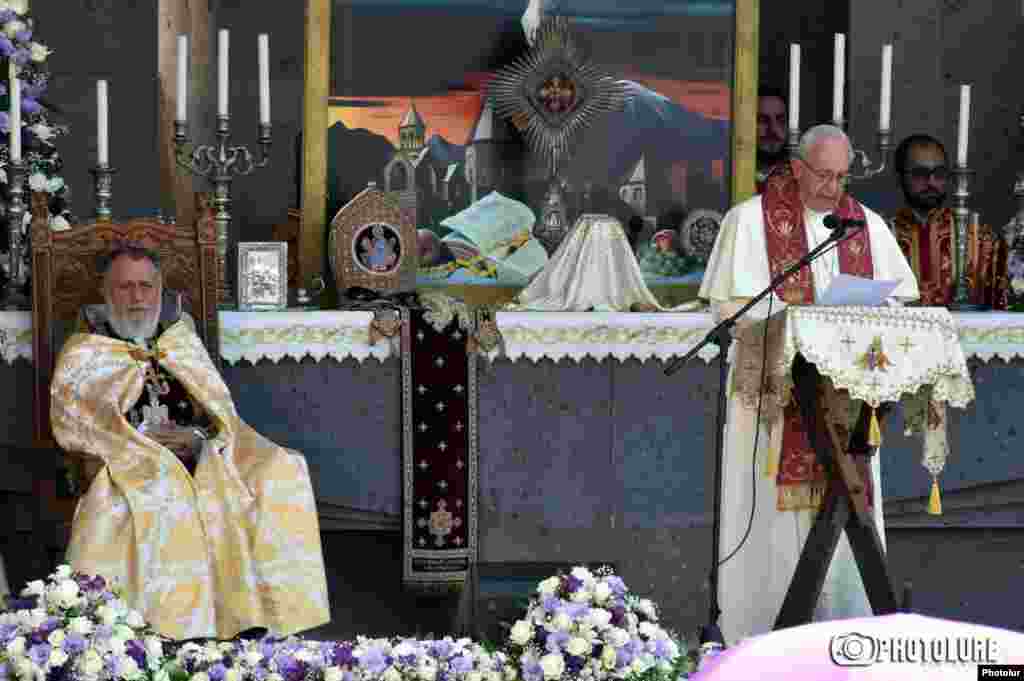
935,502
874,431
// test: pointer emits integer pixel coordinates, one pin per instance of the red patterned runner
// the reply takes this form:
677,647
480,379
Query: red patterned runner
439,455
801,480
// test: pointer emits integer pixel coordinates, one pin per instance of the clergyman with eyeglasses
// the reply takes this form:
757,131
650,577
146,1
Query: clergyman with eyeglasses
759,238
924,229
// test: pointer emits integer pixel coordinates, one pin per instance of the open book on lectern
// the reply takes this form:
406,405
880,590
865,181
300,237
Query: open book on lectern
849,290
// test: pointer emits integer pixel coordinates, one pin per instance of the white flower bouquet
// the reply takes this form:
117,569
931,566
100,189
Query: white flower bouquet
586,626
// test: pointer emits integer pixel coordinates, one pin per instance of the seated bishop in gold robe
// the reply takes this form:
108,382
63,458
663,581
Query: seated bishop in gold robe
209,528
925,231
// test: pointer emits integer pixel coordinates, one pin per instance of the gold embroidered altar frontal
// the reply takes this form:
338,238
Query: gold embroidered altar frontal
234,547
872,355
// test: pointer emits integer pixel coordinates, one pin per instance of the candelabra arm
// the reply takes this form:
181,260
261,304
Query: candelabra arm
862,168
14,297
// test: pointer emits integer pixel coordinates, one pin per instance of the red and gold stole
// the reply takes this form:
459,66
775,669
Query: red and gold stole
929,249
801,480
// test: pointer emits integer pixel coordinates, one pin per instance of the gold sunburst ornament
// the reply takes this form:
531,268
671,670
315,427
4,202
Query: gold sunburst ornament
552,93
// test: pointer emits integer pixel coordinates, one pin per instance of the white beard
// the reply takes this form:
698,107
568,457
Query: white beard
128,328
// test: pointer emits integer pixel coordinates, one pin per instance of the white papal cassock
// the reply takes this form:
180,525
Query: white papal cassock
753,583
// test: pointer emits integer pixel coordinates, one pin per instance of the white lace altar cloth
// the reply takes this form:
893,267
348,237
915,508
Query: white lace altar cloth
255,336
874,354
15,336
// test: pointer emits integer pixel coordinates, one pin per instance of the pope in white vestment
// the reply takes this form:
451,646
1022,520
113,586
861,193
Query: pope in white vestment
753,582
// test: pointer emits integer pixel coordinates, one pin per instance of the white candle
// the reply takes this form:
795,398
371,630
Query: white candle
102,140
885,106
965,115
14,114
838,75
182,103
263,49
794,86
222,73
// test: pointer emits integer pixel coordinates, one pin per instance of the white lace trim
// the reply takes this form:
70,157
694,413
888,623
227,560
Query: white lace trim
526,335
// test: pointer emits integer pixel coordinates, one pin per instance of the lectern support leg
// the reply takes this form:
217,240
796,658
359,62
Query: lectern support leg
843,508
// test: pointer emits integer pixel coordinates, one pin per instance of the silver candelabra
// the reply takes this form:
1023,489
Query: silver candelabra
1013,232
861,168
220,163
961,223
14,297
103,184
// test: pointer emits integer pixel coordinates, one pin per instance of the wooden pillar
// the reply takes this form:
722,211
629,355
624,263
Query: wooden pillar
313,202
744,100
192,18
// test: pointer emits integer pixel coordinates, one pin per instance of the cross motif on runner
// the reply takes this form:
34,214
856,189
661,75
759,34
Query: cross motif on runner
439,362
906,344
457,335
419,335
459,464
423,465
443,446
875,383
847,341
423,427
459,426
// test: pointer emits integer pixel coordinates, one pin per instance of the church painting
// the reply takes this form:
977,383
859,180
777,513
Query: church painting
424,129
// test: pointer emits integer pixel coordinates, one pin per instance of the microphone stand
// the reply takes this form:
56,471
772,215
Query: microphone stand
721,335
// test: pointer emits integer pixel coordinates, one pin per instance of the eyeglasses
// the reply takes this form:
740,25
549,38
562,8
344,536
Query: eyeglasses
842,180
925,173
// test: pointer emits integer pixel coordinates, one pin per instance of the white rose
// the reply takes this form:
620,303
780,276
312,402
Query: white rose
521,633
474,676
581,595
13,28
1017,284
80,625
602,592
117,646
608,657
599,618
62,572
270,677
333,674
392,674
37,182
34,588
212,652
510,673
493,676
647,609
618,637
427,672
638,665
154,647
135,620
16,647
549,586
24,668
39,52
59,223
42,131
57,657
553,666
19,6
56,637
562,622
233,674
304,655
91,662
649,630
577,646
203,676
106,614
253,657
162,675
128,668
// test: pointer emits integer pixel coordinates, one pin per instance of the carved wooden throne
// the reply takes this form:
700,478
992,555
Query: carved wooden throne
65,278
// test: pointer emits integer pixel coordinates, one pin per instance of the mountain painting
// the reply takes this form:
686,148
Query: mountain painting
429,135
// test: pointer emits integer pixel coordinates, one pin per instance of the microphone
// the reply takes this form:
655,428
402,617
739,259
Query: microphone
834,222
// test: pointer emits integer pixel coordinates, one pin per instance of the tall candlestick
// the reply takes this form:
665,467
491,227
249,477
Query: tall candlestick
222,73
965,113
794,86
14,114
182,103
102,141
838,76
263,48
885,107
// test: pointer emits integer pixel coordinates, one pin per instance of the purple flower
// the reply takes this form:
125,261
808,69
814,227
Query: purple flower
573,664
267,648
556,640
23,36
135,650
661,649
572,584
441,649
532,671
5,670
616,584
40,653
21,56
550,603
540,634
7,633
217,672
290,668
577,610
73,644
6,47
103,632
618,615
373,661
260,673
462,664
623,658
341,656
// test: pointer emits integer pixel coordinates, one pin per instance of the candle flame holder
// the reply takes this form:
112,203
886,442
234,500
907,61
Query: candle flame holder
14,297
220,163
103,183
961,222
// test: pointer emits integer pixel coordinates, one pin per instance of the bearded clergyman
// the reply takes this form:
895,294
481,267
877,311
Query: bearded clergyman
209,528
